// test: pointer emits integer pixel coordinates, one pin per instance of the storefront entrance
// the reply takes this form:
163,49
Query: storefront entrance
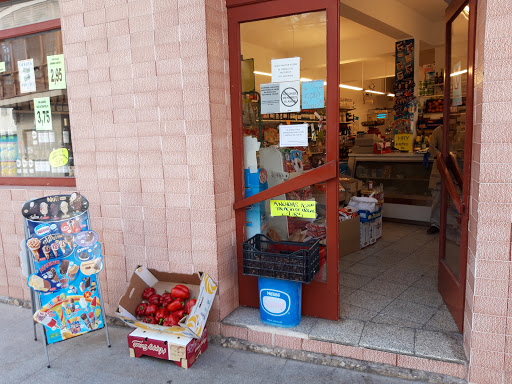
344,90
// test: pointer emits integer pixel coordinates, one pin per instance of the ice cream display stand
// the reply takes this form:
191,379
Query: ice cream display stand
63,257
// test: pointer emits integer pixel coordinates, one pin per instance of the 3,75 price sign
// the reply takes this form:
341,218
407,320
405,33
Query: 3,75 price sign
56,72
43,114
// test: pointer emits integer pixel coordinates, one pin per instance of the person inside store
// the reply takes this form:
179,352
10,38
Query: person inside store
435,149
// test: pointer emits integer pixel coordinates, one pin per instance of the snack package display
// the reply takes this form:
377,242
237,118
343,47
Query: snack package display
66,257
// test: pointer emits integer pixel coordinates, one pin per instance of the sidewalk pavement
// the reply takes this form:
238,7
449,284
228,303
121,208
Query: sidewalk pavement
87,359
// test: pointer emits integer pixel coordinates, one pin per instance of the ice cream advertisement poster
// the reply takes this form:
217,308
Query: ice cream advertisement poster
66,257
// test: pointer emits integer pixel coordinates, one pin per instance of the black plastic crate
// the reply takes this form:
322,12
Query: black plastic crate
285,260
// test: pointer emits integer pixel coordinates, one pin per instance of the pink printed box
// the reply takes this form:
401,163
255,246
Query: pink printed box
184,351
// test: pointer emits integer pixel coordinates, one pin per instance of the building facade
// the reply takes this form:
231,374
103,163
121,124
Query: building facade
149,103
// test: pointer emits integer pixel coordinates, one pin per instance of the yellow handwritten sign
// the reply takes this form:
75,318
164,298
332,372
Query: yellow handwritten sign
293,208
403,142
59,157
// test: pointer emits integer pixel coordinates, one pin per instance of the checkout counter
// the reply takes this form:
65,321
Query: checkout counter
405,180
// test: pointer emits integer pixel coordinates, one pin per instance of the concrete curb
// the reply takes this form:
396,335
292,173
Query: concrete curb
337,361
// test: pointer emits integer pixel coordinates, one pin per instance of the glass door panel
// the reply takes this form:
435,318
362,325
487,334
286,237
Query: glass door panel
456,132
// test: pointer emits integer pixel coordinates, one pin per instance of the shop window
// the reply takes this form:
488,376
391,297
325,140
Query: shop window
35,139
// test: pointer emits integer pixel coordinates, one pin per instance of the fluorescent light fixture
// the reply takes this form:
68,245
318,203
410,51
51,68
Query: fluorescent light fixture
391,94
262,73
305,79
458,73
376,92
466,9
381,115
350,87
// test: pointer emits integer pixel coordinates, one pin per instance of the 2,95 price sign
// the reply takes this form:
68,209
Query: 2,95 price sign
56,72
43,114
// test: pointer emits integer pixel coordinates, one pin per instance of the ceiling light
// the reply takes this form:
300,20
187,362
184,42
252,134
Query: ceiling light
305,79
377,92
262,73
391,94
350,87
458,73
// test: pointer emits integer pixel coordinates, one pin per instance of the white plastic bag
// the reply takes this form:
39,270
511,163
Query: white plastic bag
363,203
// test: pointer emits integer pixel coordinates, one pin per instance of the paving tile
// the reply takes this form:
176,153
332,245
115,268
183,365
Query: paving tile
369,300
398,321
399,276
345,331
353,281
438,345
250,318
349,311
365,270
344,264
430,297
388,337
410,311
384,288
425,281
376,261
442,321
355,256
345,292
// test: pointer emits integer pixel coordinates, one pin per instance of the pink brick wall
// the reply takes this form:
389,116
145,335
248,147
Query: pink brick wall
148,89
488,317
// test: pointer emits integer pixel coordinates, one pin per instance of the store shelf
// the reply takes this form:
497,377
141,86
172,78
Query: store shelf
388,178
31,96
21,111
291,121
427,96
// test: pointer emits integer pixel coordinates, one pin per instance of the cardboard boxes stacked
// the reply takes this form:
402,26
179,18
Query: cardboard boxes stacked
348,230
182,344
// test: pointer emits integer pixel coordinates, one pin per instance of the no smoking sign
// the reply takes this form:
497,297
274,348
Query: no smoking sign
289,97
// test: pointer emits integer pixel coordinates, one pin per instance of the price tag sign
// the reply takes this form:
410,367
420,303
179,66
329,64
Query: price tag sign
59,157
403,142
43,114
56,72
2,66
293,208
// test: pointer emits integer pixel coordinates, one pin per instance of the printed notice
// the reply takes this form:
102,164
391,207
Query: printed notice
59,157
403,142
313,94
295,135
289,98
270,98
2,66
43,114
56,72
293,208
27,76
285,69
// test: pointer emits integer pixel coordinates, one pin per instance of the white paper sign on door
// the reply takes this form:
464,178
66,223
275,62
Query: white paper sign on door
289,98
43,114
270,98
27,76
285,69
295,135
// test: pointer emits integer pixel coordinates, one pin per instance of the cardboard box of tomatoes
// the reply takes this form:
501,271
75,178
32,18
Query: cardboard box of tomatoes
184,351
172,303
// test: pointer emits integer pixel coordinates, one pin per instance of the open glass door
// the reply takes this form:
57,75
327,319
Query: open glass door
455,161
284,94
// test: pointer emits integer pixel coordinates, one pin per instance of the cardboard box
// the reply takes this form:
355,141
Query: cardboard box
371,227
201,286
350,184
349,236
184,351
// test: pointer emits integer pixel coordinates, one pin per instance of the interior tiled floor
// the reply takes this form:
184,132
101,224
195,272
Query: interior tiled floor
389,300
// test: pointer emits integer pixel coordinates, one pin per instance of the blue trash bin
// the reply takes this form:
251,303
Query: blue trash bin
280,302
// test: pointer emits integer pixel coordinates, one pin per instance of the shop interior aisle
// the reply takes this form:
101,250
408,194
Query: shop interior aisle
389,301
